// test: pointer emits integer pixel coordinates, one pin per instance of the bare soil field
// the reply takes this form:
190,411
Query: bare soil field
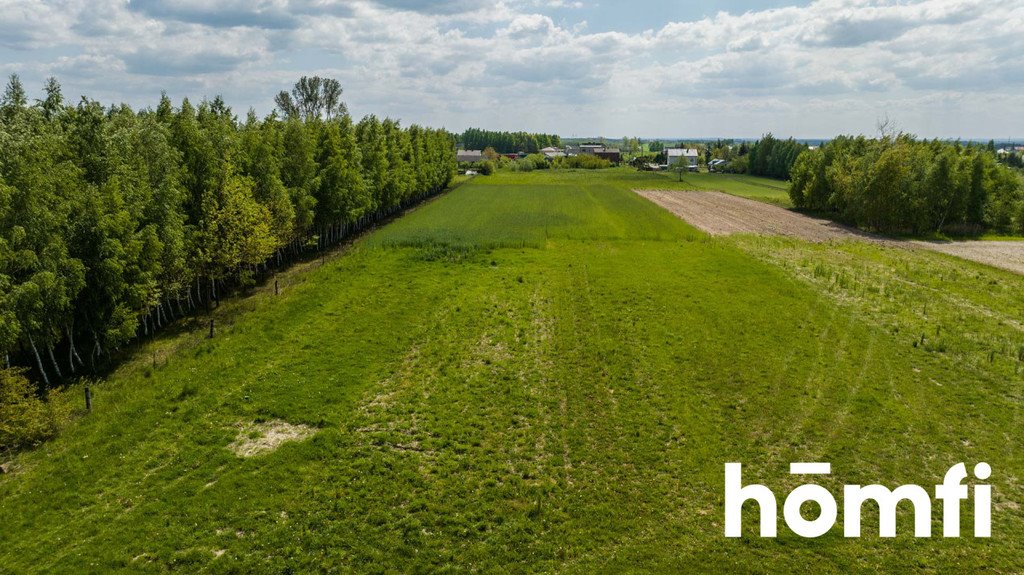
1007,255
718,213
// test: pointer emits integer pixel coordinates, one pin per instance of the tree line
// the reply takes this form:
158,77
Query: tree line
899,184
115,222
772,157
508,142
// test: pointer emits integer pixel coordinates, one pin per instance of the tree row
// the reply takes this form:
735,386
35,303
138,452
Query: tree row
115,222
508,142
903,185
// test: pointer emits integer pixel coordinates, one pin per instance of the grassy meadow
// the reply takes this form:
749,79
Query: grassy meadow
544,372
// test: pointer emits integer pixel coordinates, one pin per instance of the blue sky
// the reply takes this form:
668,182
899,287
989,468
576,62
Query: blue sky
633,17
728,68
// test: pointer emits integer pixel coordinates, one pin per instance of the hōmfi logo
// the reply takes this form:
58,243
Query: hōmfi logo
950,492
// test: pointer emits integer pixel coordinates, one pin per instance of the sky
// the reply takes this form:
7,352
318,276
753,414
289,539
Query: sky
659,68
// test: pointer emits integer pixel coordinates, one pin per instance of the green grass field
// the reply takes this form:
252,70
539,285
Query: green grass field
543,372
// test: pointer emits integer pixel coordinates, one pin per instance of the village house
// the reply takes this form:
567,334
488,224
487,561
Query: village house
689,157
551,153
595,149
613,155
469,156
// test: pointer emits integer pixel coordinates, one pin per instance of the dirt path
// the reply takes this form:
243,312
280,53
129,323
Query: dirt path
1007,255
722,214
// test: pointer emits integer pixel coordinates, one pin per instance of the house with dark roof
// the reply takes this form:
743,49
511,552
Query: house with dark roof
613,155
594,149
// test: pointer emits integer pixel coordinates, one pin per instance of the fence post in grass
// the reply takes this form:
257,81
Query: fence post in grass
88,398
211,328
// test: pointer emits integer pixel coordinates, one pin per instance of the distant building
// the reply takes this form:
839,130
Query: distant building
552,152
688,156
469,155
595,149
611,154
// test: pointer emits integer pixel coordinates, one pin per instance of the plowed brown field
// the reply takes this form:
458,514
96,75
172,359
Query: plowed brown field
722,214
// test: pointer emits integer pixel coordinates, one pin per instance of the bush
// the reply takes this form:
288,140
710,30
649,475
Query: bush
25,419
738,165
486,167
522,166
539,161
583,161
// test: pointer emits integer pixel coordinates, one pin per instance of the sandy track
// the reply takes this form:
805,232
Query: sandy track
1006,255
722,214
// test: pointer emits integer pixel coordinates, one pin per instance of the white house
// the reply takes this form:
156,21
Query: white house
469,156
689,156
551,153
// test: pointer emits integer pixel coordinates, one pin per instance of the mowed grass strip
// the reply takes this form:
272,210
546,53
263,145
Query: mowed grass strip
562,408
515,215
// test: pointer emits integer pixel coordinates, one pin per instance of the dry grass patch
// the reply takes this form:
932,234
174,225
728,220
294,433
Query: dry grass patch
260,438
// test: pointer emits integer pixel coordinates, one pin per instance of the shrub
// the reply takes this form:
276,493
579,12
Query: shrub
1019,218
539,161
583,161
25,419
487,167
522,166
738,165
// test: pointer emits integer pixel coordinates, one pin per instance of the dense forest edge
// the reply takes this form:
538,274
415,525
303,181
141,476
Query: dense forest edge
507,142
899,184
115,223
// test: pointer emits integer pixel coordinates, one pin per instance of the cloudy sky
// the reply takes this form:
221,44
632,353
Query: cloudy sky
660,68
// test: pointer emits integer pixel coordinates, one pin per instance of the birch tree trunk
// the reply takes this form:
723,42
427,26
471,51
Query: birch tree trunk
39,360
53,359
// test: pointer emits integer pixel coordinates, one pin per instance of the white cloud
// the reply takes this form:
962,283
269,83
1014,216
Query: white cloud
814,70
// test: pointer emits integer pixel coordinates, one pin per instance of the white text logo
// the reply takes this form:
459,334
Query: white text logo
950,493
